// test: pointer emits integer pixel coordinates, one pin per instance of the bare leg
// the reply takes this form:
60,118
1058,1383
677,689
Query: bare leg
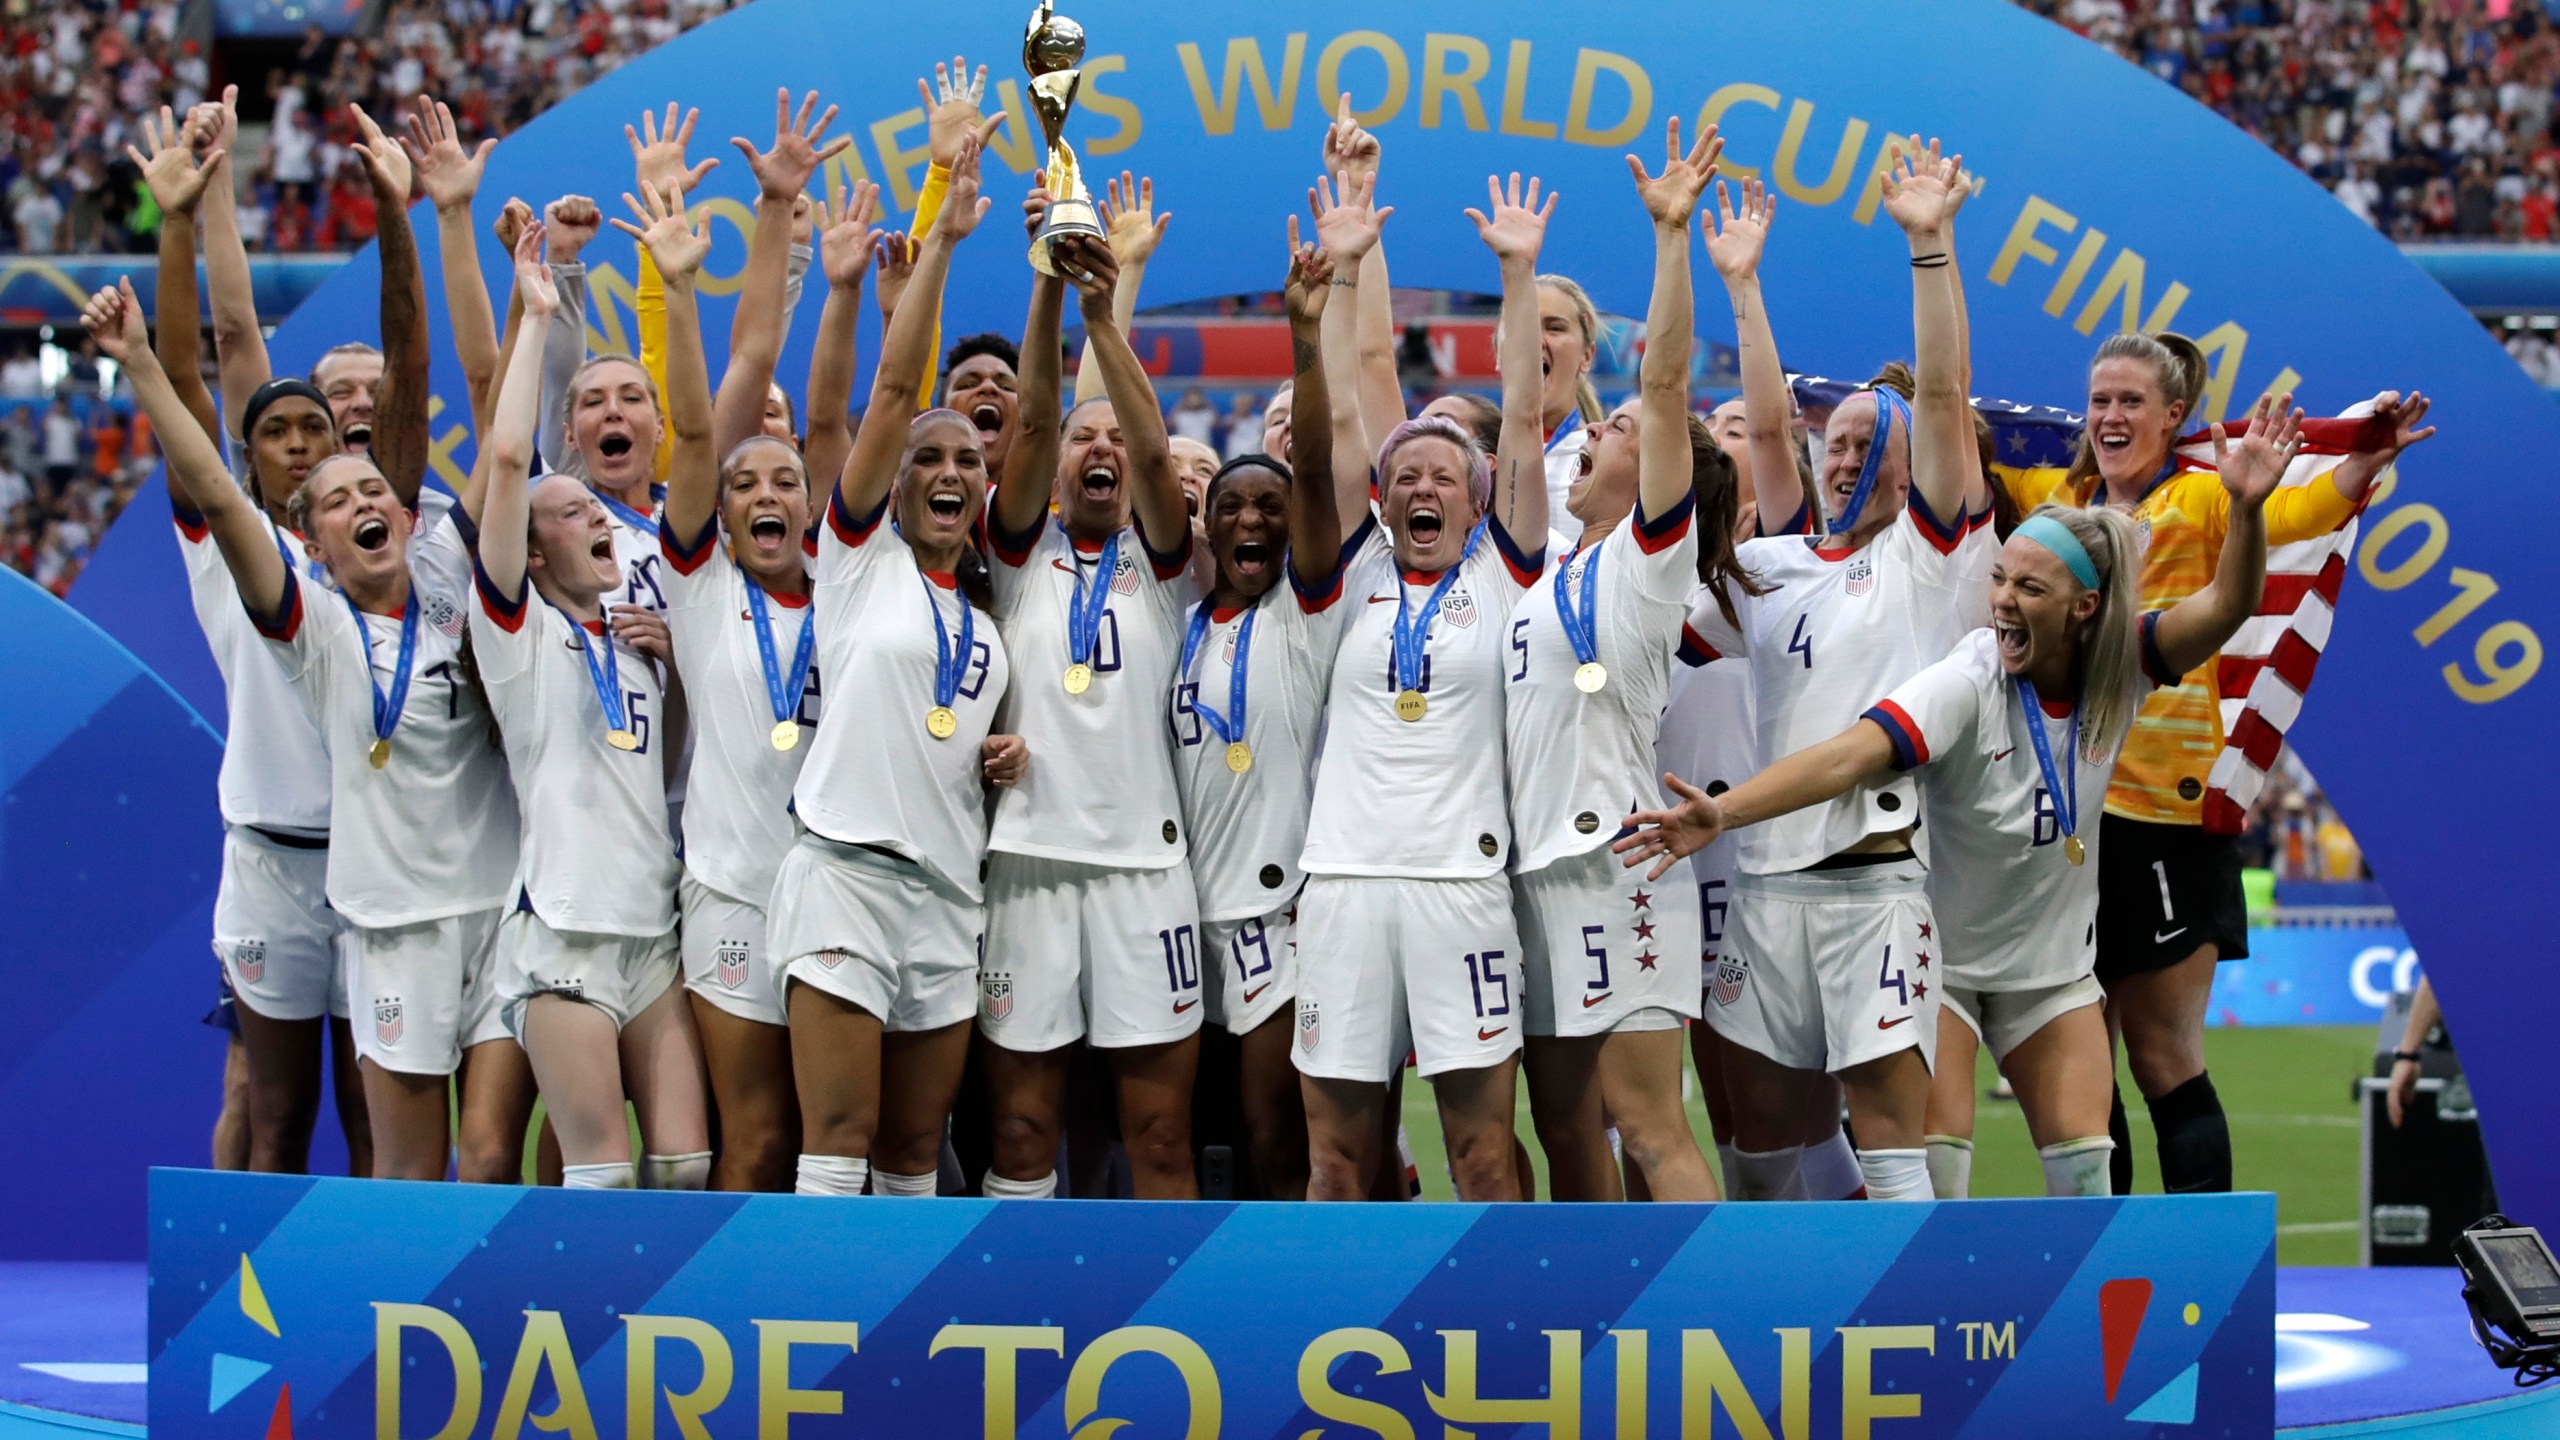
577,1062
347,1088
1565,1108
1707,1048
662,1064
1028,1089
1640,1084
1888,1100
1387,1181
1769,1100
1347,1124
1951,1097
835,1065
284,1089
1155,1116
1476,1120
752,1089
2161,1014
231,1124
409,1115
2064,1077
1275,1113
497,1104
919,1081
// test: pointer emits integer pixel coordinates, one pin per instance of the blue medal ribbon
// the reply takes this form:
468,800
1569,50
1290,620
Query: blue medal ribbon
1581,631
1572,425
1413,637
387,707
1084,616
948,662
785,691
1230,726
607,675
2066,801
1888,406
645,524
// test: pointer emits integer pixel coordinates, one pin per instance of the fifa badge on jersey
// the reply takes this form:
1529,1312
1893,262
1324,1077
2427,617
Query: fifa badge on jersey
1730,972
1862,574
2142,537
1459,608
1124,577
995,991
729,961
387,1021
445,616
249,957
1307,1025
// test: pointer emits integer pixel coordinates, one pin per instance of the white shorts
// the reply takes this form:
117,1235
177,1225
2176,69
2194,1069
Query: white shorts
1601,949
425,993
273,928
1390,967
1825,969
725,960
1249,968
620,975
2007,1019
1088,952
874,930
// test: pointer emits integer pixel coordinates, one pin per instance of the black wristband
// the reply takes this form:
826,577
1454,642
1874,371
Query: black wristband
2411,1056
1929,262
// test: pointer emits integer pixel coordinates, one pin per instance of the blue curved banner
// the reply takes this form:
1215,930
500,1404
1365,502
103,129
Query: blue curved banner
2111,200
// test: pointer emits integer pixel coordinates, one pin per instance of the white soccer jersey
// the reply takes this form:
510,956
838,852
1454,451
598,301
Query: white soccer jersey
2017,914
875,775
595,856
1707,739
1421,798
1100,789
432,832
1248,830
1836,629
737,812
1564,466
637,550
1579,762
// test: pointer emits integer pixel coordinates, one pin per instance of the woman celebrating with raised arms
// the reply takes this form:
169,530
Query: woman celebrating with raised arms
588,956
1406,937
1609,963
875,913
2014,727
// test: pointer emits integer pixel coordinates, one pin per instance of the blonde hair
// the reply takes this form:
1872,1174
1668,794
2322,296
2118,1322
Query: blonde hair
2110,640
1586,319
2175,359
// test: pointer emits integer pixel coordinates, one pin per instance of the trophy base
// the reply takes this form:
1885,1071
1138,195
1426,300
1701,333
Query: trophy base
1072,216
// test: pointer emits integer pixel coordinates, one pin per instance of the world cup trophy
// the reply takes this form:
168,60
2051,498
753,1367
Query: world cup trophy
1052,48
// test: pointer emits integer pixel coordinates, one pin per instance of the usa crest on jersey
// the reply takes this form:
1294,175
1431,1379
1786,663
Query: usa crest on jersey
446,616
729,960
1459,608
1308,1021
1862,573
388,1023
1124,576
250,958
1730,972
995,992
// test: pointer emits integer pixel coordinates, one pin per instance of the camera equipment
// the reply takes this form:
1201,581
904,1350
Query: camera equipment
2512,1284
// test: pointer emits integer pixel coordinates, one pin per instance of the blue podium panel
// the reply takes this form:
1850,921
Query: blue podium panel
377,1310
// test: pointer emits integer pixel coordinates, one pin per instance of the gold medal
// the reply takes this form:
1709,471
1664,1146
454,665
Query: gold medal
622,739
380,754
2074,851
1239,757
1591,678
940,723
1079,678
786,735
1410,705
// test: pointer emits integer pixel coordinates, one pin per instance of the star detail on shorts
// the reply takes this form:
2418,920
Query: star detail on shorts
1645,959
1642,900
1924,931
1924,960
1644,929
1919,989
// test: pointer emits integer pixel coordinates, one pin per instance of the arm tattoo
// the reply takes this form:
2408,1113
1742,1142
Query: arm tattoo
1304,357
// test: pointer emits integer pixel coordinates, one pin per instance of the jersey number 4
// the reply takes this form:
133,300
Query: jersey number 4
1802,644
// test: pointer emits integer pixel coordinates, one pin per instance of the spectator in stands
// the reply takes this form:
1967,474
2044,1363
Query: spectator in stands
1194,418
37,214
61,447
22,375
1244,426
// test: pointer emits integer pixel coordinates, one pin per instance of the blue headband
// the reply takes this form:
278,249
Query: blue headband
1888,405
2055,536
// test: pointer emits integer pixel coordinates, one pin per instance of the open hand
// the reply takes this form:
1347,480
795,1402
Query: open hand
783,171
1128,216
845,236
449,174
951,107
384,160
1667,837
2253,468
1923,190
1348,220
1735,239
533,276
1672,196
657,151
1517,228
676,244
176,175
962,206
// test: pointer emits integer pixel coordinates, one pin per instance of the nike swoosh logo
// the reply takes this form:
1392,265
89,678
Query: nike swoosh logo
2163,937
1256,993
2005,754
1380,599
1889,1024
1183,1006
1590,1000
1484,1034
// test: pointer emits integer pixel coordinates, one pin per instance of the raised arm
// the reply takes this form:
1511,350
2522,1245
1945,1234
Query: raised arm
1350,149
506,506
571,222
2355,474
845,244
758,326
1810,776
2196,628
196,472
239,347
1735,241
1348,230
1134,229
1922,193
450,176
1155,495
676,247
1315,513
1514,231
951,117
178,180
1662,416
1031,466
400,417
873,464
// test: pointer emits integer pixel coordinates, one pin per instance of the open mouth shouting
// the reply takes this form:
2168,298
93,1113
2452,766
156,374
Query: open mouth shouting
613,444
1422,524
1252,559
1100,483
946,506
358,436
989,418
372,533
2012,638
2112,444
769,534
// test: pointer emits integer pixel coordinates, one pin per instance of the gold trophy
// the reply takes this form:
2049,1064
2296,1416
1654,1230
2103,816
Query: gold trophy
1052,47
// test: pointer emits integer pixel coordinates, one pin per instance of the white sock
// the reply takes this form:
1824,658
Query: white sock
1769,1175
830,1175
1831,1170
1950,1166
884,1182
614,1176
1896,1174
678,1172
2077,1167
1728,1168
999,1188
